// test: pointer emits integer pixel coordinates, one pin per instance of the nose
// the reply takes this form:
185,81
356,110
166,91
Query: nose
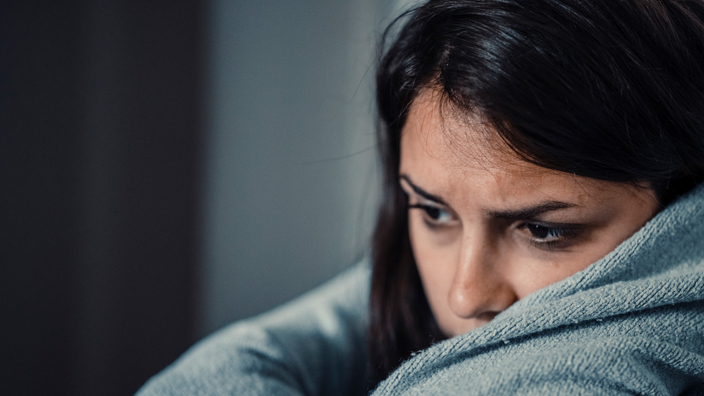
480,288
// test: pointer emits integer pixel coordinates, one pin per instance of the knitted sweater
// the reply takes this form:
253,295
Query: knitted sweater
631,323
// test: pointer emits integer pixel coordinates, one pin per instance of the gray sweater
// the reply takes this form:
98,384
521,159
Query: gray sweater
631,323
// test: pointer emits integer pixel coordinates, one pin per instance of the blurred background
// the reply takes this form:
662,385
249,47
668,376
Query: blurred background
168,167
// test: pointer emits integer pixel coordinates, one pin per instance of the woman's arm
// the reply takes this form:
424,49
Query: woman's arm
314,345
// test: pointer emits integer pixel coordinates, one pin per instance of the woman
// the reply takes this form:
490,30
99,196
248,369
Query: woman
542,229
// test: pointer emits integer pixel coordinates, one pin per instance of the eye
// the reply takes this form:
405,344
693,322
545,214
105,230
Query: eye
433,215
543,232
550,237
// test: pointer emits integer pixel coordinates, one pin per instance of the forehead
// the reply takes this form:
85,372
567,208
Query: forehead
456,154
457,139
437,132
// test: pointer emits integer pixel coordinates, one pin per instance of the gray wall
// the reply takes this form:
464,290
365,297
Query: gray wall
290,182
169,167
99,175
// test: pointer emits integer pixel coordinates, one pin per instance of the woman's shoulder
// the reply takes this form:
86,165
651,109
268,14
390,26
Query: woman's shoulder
315,344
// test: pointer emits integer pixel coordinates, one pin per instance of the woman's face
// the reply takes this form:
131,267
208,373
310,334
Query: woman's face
487,228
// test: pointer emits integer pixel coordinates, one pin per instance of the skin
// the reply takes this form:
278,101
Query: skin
488,229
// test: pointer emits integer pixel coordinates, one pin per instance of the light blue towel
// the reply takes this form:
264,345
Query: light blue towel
314,345
631,323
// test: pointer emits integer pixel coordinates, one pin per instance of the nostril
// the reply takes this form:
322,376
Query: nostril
487,316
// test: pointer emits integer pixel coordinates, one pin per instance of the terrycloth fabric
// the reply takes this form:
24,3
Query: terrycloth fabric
314,345
631,323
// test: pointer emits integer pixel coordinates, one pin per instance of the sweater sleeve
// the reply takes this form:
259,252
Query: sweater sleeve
313,345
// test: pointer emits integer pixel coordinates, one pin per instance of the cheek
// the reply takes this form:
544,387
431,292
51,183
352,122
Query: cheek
435,257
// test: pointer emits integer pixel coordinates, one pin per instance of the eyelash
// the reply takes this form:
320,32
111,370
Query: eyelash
428,217
562,234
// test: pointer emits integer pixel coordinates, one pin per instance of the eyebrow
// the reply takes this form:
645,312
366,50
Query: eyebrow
511,214
529,212
422,192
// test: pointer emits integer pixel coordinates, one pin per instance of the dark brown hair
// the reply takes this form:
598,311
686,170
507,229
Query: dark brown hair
607,89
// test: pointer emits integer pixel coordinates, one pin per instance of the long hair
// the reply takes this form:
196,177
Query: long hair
607,89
